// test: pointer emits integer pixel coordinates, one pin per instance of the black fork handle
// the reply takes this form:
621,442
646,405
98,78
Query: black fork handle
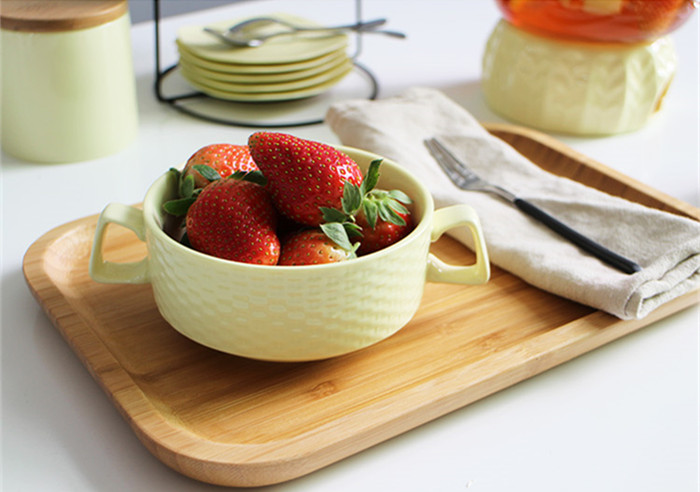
601,252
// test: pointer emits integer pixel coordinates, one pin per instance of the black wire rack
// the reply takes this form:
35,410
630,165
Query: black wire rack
200,105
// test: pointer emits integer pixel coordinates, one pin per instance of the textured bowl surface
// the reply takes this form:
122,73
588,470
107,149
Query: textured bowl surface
576,88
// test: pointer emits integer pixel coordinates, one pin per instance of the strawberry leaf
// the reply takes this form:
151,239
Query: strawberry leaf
397,207
388,215
336,233
352,229
352,198
370,209
371,178
400,196
178,207
256,177
207,172
382,210
333,215
187,186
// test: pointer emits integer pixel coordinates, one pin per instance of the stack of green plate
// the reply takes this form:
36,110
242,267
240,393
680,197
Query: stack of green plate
292,66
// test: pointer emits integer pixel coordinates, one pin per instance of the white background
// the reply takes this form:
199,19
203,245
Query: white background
622,418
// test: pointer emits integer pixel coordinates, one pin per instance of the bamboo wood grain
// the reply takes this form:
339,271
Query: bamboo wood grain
232,421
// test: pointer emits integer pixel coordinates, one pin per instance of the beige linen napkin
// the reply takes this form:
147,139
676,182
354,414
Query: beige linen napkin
665,245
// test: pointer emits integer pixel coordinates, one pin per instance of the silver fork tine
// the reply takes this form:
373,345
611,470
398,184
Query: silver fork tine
460,174
446,162
449,158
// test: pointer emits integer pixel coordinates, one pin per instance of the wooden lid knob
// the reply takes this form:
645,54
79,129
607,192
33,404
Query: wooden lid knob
58,15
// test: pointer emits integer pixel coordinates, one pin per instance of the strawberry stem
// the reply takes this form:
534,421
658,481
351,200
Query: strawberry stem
341,225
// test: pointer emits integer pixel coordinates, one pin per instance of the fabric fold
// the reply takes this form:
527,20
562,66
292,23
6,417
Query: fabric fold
667,246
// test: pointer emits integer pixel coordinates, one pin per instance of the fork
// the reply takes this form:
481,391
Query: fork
240,34
464,178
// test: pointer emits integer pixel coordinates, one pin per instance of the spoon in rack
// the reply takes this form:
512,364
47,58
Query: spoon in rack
243,34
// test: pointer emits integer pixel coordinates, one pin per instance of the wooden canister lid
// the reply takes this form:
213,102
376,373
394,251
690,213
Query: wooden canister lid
58,15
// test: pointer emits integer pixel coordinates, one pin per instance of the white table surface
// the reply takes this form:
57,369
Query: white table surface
621,418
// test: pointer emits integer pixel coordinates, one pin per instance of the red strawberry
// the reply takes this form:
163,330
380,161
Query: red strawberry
378,218
311,247
225,159
383,234
302,175
235,220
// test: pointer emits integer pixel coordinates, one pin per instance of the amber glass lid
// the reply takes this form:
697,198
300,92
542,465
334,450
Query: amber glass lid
58,15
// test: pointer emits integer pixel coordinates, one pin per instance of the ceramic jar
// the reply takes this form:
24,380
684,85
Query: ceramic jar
68,87
582,67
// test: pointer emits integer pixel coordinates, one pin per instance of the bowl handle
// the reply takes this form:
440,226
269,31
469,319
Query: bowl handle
108,272
439,271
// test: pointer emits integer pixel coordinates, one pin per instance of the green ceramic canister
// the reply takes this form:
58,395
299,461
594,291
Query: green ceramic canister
68,87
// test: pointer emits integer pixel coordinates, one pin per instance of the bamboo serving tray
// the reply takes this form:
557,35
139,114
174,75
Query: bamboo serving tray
232,421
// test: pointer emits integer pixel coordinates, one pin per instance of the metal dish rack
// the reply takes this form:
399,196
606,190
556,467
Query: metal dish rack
187,102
